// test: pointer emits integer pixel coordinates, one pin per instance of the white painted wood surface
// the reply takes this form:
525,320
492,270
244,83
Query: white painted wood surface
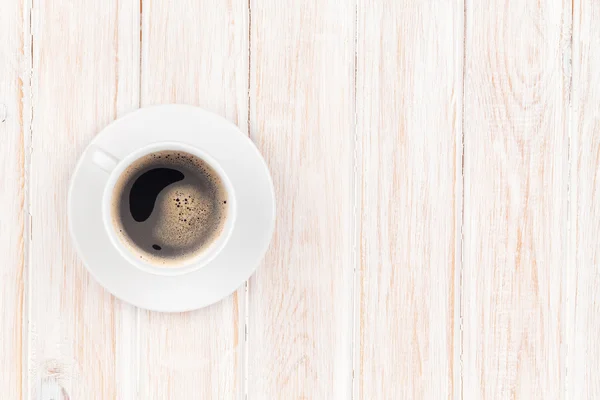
408,127
15,116
84,73
302,120
582,294
435,165
516,98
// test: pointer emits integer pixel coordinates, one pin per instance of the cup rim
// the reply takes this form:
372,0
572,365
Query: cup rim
189,265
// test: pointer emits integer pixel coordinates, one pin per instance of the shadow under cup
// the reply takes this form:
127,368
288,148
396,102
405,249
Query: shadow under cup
169,209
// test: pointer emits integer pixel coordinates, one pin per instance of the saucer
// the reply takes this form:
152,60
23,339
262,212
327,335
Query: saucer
251,234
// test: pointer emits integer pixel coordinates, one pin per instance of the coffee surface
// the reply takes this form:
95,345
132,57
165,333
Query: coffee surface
169,206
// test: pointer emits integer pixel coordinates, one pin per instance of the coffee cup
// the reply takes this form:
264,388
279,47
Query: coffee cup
168,207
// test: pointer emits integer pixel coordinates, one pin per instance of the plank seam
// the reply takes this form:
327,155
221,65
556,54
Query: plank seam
570,248
461,218
27,308
141,54
246,348
355,235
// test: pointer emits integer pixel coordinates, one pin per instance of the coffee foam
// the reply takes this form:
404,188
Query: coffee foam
188,215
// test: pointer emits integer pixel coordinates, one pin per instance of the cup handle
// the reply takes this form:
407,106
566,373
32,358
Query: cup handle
104,160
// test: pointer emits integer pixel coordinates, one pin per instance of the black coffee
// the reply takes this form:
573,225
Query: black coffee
169,206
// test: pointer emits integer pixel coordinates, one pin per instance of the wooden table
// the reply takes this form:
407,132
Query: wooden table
437,170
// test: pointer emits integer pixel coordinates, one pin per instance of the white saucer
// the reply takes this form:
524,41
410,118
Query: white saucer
251,234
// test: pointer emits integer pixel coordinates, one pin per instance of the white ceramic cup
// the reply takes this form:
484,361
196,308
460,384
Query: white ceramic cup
115,168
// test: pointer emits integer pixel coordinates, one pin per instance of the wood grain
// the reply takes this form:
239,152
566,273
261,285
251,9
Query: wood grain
15,116
195,52
85,73
301,103
515,198
403,265
583,262
408,96
301,115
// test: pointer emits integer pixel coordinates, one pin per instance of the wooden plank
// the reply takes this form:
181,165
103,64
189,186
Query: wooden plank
195,52
515,207
408,96
301,115
85,73
15,117
583,262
